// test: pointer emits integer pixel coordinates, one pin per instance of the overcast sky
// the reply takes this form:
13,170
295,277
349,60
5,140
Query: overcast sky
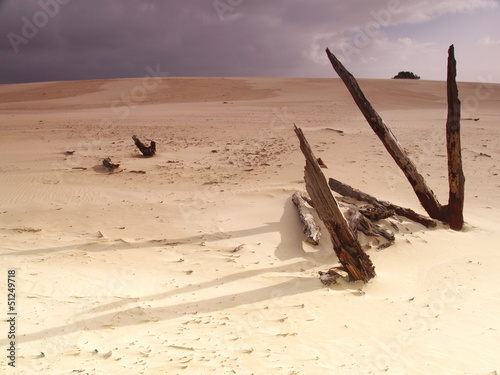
47,40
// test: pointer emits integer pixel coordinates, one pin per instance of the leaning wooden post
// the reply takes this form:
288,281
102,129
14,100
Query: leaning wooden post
456,176
355,261
425,195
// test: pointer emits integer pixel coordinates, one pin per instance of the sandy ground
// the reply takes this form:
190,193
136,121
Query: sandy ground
193,262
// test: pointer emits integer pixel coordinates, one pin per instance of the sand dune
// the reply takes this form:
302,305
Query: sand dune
193,261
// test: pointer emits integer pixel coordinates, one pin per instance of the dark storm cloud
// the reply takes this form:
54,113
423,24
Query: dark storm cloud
116,38
71,39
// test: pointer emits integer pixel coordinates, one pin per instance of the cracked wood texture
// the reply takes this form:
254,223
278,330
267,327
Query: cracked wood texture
345,244
456,178
349,191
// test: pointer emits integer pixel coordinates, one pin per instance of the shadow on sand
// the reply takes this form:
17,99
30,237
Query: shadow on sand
291,246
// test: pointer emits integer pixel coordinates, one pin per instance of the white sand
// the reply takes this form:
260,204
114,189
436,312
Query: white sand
198,266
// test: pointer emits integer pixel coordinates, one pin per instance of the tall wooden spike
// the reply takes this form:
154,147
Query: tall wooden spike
456,176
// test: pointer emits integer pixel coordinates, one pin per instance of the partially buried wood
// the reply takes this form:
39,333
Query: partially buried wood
349,191
456,176
147,151
309,226
425,195
329,277
354,260
376,213
109,164
358,221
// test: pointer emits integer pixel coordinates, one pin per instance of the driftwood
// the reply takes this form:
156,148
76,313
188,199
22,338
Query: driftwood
329,277
376,213
354,260
358,221
348,191
335,130
424,193
109,165
354,218
456,176
147,151
309,226
451,213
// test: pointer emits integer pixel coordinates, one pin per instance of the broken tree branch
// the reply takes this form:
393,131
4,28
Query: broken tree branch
110,165
424,193
456,178
309,226
348,191
147,151
345,244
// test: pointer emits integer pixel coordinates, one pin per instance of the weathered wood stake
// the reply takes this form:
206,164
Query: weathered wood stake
425,195
452,213
355,261
456,176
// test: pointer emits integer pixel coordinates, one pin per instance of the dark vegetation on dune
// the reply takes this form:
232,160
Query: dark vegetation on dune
406,75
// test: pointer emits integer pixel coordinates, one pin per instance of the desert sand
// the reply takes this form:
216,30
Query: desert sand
193,261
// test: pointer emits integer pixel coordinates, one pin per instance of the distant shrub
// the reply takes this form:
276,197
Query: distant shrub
406,75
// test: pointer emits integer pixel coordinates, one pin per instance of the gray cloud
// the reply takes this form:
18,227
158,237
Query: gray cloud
120,38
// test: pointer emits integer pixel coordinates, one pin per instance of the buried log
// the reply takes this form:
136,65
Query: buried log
354,260
309,226
110,166
147,151
349,191
452,213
